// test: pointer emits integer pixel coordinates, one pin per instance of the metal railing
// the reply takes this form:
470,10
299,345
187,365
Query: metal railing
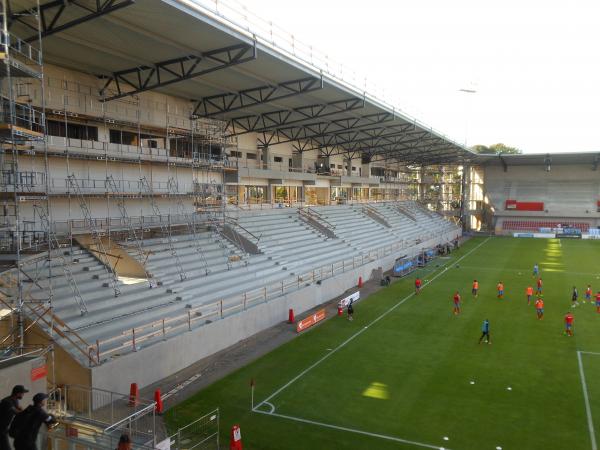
131,340
108,410
23,180
201,434
22,115
95,418
109,150
21,47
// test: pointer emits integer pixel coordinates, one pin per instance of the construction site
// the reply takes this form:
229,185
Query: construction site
141,176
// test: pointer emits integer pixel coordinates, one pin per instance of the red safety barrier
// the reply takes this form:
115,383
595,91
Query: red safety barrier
158,408
134,394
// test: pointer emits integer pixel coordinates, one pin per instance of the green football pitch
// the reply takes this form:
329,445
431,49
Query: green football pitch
409,374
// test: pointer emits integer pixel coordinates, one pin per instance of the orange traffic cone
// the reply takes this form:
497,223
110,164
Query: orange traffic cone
158,409
134,394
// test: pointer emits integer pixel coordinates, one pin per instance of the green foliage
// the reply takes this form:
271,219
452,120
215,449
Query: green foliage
496,149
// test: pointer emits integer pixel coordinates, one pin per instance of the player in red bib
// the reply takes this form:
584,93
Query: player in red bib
539,308
598,302
456,299
540,285
418,284
569,324
475,288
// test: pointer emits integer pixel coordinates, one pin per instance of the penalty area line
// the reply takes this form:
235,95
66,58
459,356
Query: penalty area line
362,330
588,409
353,430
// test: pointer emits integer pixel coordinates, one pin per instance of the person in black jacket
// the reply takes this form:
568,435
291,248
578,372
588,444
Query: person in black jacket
35,416
9,407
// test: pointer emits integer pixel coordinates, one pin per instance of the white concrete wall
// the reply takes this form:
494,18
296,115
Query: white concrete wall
567,190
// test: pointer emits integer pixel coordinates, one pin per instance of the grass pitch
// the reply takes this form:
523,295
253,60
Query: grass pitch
416,377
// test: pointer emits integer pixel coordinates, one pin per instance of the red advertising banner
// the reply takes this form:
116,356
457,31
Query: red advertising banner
311,320
524,206
38,373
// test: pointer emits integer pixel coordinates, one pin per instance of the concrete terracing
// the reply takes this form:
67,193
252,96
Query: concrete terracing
298,268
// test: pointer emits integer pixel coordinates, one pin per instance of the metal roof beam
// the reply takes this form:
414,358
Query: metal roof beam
164,73
215,105
372,147
426,147
51,15
281,117
336,127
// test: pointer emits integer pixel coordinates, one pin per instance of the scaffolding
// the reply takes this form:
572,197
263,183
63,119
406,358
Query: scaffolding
39,240
21,127
132,235
166,229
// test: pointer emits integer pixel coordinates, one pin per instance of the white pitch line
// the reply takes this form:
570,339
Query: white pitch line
588,353
352,430
359,332
588,409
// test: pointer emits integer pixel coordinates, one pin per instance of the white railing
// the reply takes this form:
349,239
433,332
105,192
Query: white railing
131,339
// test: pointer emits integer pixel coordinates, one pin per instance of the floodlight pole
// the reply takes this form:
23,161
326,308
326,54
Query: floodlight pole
467,91
466,168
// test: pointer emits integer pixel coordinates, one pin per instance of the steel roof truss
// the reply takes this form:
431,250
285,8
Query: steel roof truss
234,101
145,78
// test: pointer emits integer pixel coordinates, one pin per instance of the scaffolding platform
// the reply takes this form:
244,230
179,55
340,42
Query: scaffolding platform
10,132
17,68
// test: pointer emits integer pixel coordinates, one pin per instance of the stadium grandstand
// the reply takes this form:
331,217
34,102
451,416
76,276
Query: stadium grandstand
166,196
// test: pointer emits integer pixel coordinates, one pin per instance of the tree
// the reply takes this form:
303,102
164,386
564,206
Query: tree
496,149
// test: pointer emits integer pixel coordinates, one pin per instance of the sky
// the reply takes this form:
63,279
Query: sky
535,65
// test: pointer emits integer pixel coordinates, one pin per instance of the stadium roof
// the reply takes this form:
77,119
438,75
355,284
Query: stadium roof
540,159
182,48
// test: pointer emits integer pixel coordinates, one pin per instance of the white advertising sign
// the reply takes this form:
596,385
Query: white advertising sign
346,300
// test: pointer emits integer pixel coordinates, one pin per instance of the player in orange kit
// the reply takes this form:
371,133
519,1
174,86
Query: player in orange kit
475,288
529,293
588,294
500,288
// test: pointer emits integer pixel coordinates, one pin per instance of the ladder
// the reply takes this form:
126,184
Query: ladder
141,256
54,244
166,229
95,233
191,226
